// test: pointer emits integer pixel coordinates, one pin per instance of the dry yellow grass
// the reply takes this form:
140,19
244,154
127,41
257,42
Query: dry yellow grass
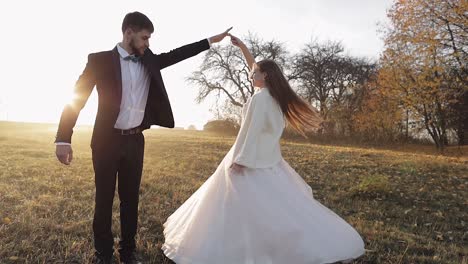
410,207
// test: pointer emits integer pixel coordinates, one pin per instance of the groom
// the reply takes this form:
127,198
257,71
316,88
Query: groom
132,97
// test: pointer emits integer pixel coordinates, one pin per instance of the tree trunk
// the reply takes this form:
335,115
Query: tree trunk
462,126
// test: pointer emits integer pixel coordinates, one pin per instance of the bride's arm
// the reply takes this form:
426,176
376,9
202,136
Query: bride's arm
245,150
248,56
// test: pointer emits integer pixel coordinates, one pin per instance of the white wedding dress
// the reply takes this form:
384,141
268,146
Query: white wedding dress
266,214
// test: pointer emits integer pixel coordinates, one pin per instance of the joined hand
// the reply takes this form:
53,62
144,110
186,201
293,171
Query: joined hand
219,37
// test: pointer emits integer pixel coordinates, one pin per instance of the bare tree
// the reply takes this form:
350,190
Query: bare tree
334,80
315,70
224,73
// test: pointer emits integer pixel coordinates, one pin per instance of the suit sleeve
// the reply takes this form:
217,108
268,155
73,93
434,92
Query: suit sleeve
252,125
83,88
176,55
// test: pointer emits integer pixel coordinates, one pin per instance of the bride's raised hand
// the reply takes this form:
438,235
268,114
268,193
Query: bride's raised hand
235,40
248,56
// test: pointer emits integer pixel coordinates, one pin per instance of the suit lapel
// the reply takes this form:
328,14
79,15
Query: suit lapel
117,72
145,59
149,60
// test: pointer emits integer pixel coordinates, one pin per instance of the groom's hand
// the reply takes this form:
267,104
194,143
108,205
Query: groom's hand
219,37
64,154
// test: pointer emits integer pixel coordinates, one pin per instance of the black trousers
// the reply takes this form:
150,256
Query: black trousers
120,160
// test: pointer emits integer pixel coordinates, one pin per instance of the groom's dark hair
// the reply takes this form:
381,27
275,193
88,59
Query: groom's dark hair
137,22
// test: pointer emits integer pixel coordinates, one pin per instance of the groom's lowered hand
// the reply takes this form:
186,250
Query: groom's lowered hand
64,154
219,37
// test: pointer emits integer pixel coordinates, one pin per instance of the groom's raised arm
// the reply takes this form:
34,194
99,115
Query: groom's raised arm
174,56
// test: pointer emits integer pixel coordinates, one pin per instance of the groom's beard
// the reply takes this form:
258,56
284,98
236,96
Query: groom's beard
135,50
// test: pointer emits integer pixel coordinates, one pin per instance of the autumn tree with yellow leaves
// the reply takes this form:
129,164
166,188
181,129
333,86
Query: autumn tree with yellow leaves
423,66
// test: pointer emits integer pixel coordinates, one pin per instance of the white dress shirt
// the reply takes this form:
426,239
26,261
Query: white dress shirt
258,142
135,86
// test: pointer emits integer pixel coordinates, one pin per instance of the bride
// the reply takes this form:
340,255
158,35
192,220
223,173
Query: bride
255,208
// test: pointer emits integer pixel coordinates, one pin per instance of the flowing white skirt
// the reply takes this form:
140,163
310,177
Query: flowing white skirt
262,216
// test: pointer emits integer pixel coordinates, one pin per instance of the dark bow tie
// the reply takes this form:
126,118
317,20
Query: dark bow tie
132,58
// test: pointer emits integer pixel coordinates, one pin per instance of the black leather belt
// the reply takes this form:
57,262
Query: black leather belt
126,132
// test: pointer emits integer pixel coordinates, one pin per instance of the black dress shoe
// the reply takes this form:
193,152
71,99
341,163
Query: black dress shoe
130,258
102,260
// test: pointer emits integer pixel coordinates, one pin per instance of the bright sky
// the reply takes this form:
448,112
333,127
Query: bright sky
45,43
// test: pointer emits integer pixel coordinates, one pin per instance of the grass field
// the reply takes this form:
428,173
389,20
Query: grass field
409,206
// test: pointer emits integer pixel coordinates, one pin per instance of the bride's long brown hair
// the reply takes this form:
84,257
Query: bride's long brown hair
300,115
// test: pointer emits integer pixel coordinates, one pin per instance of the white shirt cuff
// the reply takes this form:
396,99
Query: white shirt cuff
62,143
209,42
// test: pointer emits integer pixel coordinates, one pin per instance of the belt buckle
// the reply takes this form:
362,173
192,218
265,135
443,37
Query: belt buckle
124,132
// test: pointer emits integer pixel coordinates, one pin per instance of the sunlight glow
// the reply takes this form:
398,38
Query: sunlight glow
48,45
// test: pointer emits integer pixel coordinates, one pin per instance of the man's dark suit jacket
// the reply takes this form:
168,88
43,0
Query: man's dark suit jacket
103,71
